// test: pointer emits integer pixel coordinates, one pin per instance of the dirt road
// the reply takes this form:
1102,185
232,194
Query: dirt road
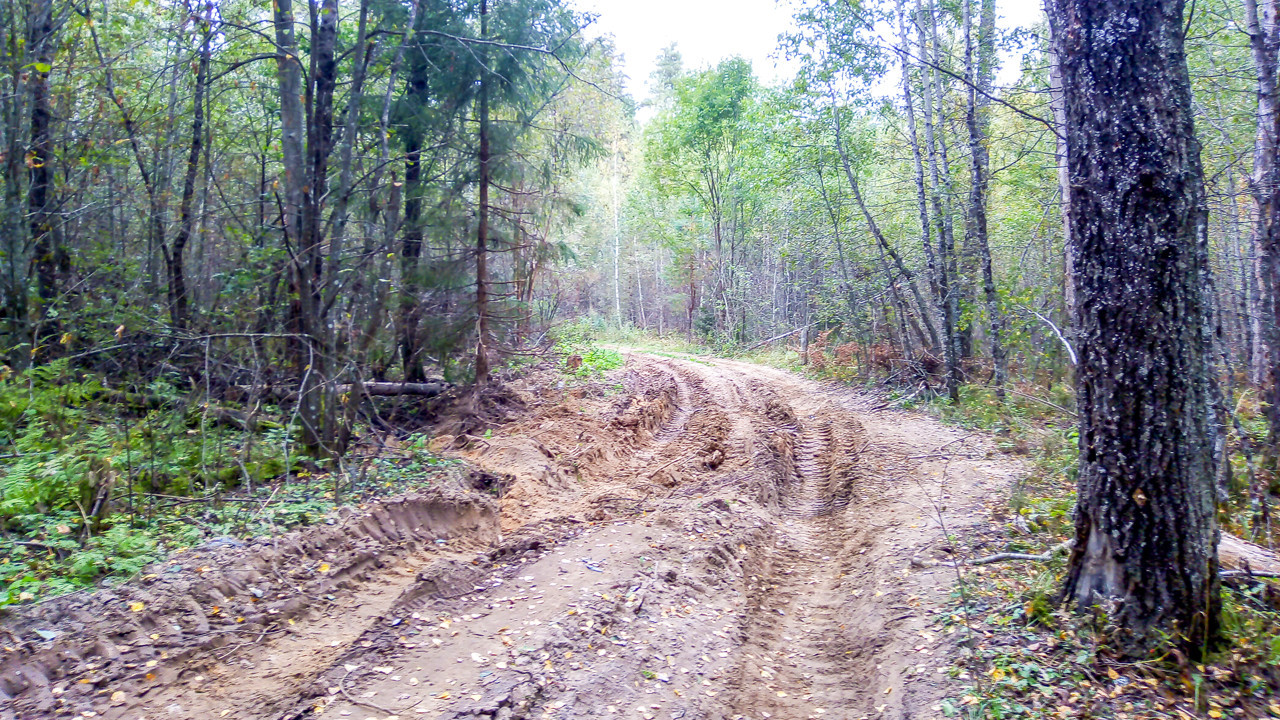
714,539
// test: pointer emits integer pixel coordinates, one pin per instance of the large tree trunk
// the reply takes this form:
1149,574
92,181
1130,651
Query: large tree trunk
305,190
482,217
979,80
1263,25
1146,534
41,211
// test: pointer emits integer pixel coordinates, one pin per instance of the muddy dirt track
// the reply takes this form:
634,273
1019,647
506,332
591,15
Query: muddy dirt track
711,539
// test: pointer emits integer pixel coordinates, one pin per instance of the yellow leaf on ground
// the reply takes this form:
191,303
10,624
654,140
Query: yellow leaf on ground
136,606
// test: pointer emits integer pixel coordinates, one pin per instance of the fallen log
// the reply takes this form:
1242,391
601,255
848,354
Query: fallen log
388,389
776,338
378,388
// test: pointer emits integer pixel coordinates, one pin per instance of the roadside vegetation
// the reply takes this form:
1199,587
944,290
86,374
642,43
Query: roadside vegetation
99,482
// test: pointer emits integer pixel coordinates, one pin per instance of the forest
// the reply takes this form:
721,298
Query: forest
262,262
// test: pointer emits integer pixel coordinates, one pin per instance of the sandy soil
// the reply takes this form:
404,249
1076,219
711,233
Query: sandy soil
714,539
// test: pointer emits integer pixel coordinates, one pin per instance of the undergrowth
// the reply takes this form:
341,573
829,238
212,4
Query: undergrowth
1035,658
97,482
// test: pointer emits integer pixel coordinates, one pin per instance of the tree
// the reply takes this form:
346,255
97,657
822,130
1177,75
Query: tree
1262,21
978,74
306,113
941,193
174,258
703,147
1146,534
41,202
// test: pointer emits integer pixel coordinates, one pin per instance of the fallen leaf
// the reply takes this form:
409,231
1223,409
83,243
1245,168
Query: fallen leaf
136,606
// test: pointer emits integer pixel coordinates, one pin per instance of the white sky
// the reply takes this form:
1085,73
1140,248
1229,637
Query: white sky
707,31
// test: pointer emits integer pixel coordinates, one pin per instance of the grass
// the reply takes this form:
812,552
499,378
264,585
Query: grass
596,331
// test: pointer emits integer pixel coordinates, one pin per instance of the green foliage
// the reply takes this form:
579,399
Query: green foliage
596,361
96,483
59,562
582,357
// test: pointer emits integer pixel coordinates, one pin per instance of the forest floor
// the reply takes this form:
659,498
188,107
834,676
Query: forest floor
685,538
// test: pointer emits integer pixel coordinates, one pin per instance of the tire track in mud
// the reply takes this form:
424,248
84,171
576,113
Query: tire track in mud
701,435
788,665
755,562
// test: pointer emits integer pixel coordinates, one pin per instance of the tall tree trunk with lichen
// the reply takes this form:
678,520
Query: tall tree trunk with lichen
1146,534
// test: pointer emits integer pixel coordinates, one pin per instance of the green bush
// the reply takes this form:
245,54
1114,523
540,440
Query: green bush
597,361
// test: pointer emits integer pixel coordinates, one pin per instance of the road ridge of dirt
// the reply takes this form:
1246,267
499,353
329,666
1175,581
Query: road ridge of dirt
717,540
226,591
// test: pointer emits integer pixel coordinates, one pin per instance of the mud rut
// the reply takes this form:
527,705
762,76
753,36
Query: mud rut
723,541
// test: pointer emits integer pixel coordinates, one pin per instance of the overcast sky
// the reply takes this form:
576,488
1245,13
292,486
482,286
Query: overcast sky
707,31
